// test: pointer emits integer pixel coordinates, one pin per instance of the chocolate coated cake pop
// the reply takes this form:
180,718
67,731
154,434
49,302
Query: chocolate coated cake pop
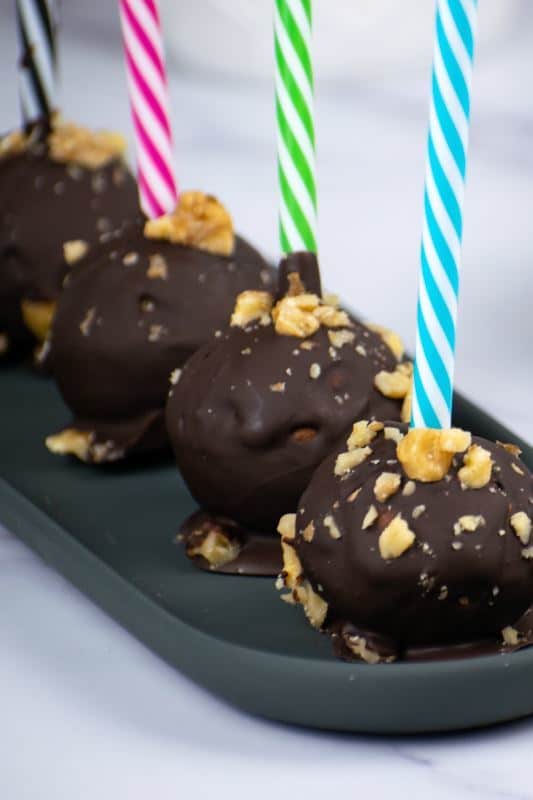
134,313
258,408
414,544
62,192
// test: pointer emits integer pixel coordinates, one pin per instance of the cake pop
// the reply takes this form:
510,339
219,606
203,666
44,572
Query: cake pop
414,544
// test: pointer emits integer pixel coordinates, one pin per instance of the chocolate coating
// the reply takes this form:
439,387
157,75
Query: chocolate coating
131,315
448,589
43,204
249,423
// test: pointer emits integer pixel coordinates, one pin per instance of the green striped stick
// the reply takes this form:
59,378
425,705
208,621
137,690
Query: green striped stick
295,124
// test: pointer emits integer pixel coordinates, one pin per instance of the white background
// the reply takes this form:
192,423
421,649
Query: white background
85,710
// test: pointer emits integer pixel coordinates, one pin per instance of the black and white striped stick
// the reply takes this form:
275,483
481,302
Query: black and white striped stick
37,22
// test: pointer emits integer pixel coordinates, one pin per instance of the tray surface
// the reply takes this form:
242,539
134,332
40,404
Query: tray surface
111,532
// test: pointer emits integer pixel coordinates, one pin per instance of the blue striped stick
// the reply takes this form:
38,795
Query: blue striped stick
443,213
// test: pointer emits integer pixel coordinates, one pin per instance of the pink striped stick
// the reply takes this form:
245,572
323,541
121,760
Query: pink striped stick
148,91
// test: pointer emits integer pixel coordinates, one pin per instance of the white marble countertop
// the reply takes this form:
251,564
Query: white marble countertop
85,710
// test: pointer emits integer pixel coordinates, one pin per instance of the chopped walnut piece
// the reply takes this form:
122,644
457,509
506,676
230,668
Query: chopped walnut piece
409,489
477,469
370,517
217,549
397,384
396,538
331,317
386,485
426,454
13,143
353,496
468,523
391,339
359,647
363,432
510,636
129,259
347,461
175,375
156,332
314,606
341,337
287,526
407,405
38,316
517,469
418,511
70,442
513,449
527,553
293,316
331,525
157,267
394,434
72,144
251,306
199,221
87,321
308,532
75,250
295,284
521,524
315,371
277,387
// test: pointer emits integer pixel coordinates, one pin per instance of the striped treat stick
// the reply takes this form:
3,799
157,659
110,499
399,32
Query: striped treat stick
295,124
148,91
37,30
443,213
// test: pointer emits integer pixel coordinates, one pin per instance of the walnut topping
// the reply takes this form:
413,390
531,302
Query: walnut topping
426,454
397,384
341,337
521,524
217,549
469,523
315,371
363,432
394,434
38,316
293,316
70,442
315,607
510,636
353,496
331,317
477,469
72,144
156,332
287,526
130,259
13,143
175,375
200,221
517,469
407,405
347,461
304,434
391,339
513,449
307,345
396,538
157,268
409,489
308,532
333,528
527,553
251,306
277,387
359,647
418,511
361,350
370,517
75,250
386,485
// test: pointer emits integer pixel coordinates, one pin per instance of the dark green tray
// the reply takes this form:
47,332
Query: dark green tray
111,533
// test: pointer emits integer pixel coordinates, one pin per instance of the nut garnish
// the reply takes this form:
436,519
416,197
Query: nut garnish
396,538
347,461
407,405
397,384
308,532
353,496
363,432
315,607
359,647
38,316
69,143
386,485
517,469
391,339
331,317
510,636
200,221
277,387
331,525
477,469
521,524
513,449
287,526
370,517
341,337
468,523
251,306
426,454
157,267
216,548
409,489
70,442
394,434
315,371
175,375
87,321
293,316
75,250
418,511
13,143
